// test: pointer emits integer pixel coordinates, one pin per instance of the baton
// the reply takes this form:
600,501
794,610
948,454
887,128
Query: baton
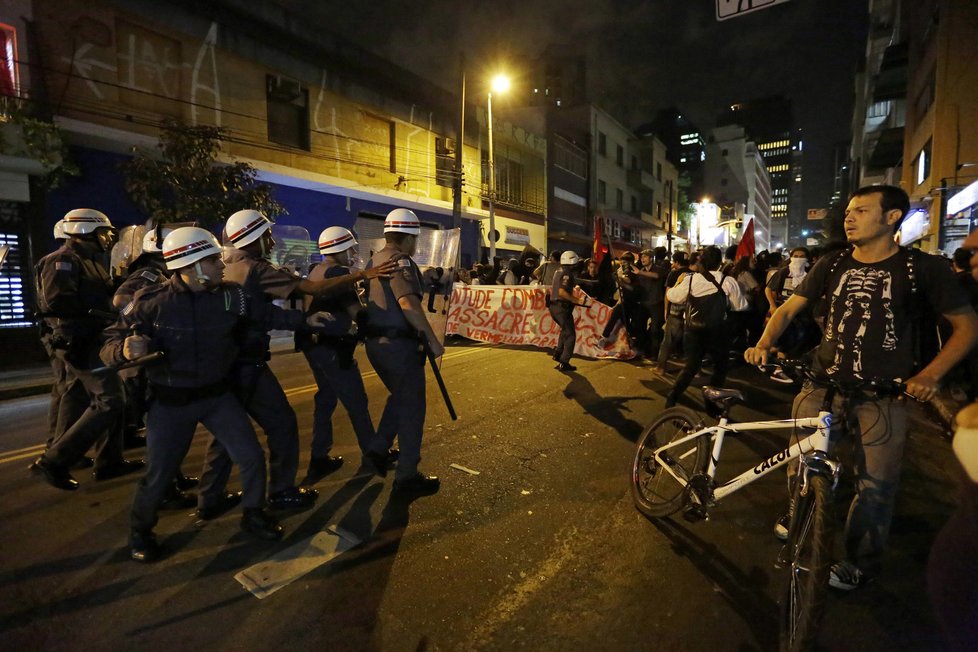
149,358
441,382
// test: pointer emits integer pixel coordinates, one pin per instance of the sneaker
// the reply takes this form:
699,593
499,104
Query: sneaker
781,527
846,577
781,377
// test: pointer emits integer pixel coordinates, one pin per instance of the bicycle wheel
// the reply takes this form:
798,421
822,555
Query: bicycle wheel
656,492
809,549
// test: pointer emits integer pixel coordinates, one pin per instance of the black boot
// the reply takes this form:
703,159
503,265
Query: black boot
260,523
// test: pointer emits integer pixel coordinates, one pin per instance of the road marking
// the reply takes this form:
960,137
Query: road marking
283,568
517,597
33,451
23,456
295,391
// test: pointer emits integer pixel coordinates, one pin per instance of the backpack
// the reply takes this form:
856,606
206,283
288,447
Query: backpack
706,312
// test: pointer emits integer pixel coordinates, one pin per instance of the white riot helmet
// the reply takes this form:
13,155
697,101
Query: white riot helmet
335,239
188,245
59,230
153,244
569,258
402,220
83,221
244,227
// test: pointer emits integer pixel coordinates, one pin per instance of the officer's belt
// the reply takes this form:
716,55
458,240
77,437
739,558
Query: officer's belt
322,339
168,395
390,333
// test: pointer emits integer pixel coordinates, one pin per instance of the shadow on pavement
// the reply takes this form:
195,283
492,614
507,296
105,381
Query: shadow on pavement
743,591
609,410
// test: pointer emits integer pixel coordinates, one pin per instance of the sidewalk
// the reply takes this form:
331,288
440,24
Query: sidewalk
34,380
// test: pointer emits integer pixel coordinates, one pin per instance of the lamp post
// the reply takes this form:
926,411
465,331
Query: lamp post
500,84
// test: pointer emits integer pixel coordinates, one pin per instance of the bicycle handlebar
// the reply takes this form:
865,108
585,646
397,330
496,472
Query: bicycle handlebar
801,370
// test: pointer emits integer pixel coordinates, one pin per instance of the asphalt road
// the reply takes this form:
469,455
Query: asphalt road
542,550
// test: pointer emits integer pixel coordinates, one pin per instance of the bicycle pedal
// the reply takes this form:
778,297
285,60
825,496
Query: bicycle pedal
696,513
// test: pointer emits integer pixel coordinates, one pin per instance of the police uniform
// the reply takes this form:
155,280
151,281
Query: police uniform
562,312
72,282
147,270
198,332
68,401
394,350
254,383
330,356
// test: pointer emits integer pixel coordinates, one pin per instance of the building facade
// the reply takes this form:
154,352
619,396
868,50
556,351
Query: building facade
737,181
341,135
770,124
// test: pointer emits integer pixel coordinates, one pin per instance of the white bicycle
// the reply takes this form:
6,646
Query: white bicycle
675,469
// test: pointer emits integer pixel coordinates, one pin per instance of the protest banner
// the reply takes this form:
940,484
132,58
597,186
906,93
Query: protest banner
518,315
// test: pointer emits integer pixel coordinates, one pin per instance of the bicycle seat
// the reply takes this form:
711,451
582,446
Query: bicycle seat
723,396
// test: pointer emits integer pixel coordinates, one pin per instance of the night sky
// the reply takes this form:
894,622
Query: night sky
641,56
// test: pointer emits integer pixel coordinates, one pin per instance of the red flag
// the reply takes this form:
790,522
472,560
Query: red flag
599,250
746,246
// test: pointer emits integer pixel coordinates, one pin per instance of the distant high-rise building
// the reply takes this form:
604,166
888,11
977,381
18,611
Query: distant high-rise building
685,145
770,124
557,78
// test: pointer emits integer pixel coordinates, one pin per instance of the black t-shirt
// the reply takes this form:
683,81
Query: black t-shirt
868,330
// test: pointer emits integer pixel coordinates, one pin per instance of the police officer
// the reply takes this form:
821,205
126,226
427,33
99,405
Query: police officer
148,268
395,328
195,320
76,401
562,303
330,354
250,234
73,282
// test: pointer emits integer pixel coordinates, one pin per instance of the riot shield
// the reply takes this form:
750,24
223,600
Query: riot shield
127,248
294,249
437,255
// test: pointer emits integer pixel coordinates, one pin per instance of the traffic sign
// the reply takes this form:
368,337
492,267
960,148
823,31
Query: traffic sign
734,8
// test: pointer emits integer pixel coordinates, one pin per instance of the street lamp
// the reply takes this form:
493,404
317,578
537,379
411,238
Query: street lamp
500,84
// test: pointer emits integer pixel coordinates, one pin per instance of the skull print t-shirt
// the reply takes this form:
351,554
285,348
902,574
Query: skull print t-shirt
868,330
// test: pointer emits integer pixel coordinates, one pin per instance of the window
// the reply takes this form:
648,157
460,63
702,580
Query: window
634,204
922,164
634,162
444,161
14,271
602,192
8,60
620,155
723,152
569,158
288,112
619,199
602,144
658,210
658,171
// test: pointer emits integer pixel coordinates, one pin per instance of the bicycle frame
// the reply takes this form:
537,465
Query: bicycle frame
818,441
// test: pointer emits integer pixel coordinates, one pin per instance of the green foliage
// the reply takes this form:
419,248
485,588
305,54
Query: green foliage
184,181
41,140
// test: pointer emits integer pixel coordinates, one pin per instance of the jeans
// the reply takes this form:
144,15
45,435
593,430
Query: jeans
879,427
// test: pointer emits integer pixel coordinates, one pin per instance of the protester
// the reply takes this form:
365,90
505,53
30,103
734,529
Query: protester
672,339
869,333
711,335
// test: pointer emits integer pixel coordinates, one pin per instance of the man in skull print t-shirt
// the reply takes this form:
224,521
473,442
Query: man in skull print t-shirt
868,326
869,333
